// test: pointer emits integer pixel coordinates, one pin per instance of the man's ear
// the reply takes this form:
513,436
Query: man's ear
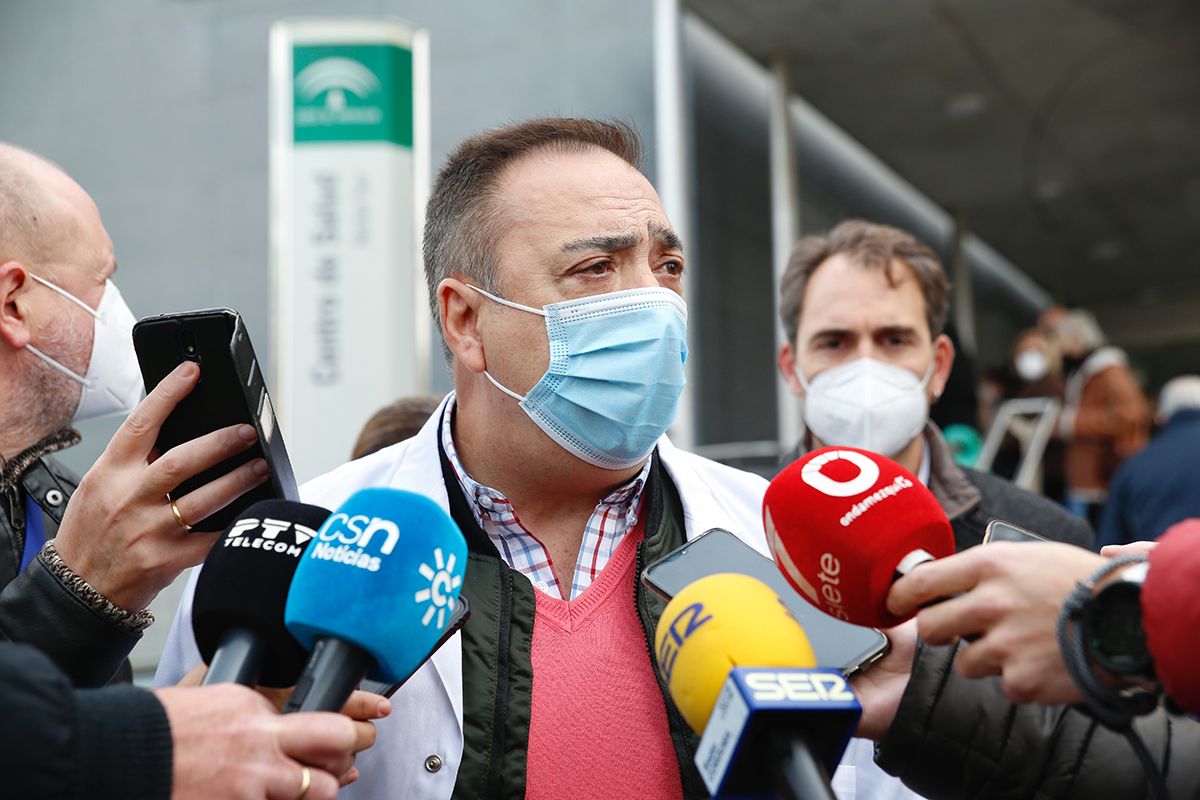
458,309
943,361
14,306
786,362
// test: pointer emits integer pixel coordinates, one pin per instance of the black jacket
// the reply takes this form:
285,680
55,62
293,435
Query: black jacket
955,737
35,606
57,742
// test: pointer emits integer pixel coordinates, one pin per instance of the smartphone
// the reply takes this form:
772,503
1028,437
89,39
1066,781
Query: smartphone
1000,531
459,617
231,390
836,644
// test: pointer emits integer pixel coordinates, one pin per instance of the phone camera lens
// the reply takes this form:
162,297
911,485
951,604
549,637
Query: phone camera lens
187,343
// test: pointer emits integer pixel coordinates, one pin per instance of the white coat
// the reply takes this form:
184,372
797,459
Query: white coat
426,719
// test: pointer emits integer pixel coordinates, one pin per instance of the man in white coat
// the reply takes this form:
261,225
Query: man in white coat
557,280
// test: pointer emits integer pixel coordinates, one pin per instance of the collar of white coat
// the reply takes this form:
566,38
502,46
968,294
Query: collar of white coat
733,502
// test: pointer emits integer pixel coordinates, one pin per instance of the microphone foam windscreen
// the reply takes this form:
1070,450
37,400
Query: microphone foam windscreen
839,521
245,583
383,573
717,623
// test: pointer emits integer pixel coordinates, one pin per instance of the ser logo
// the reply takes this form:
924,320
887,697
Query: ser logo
268,538
686,622
346,539
800,687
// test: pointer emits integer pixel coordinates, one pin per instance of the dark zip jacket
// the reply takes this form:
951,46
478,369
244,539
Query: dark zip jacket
955,737
35,606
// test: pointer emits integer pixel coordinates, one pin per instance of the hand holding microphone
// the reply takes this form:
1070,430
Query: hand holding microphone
1011,593
769,724
843,525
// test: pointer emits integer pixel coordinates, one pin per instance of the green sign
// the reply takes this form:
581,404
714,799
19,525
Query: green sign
352,93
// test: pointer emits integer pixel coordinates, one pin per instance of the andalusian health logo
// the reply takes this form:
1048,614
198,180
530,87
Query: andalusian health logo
352,93
323,89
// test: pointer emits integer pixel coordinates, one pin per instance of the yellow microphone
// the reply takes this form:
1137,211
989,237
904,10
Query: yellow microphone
740,669
719,622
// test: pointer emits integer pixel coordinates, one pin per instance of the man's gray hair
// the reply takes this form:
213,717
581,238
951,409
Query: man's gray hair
463,221
1179,394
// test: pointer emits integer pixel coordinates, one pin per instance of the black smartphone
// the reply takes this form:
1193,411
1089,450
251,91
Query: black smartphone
458,618
836,644
231,390
1000,531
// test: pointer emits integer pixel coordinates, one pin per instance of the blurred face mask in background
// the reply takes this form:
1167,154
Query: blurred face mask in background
1031,365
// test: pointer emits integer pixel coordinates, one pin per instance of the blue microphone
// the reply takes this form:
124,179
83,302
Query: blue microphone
373,594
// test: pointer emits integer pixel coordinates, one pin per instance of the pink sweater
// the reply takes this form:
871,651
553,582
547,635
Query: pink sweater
598,724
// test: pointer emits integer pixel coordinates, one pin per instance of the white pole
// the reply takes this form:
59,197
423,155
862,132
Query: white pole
785,230
672,118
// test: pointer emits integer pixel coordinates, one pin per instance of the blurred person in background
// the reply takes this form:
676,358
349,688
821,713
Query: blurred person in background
1105,417
1159,486
1036,371
394,423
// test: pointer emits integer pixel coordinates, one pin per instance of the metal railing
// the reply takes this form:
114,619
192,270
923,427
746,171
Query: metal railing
1031,422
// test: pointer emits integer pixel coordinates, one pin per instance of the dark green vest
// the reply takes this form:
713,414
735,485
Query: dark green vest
497,672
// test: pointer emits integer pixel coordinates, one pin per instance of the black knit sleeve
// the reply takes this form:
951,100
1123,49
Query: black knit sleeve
59,742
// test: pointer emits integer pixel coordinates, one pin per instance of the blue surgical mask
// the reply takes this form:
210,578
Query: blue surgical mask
615,375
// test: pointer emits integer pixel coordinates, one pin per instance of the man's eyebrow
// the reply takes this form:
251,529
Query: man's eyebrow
605,242
666,237
831,333
892,330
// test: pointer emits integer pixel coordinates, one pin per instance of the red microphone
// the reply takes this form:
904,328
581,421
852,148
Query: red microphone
842,522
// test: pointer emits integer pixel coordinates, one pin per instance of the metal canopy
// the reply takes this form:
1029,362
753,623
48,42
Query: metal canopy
1067,133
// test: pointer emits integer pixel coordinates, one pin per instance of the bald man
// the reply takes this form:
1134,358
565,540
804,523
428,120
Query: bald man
81,560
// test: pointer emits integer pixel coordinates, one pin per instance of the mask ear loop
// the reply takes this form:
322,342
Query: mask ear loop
508,303
64,293
64,369
519,307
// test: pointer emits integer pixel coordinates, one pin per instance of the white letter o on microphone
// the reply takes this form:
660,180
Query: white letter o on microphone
868,474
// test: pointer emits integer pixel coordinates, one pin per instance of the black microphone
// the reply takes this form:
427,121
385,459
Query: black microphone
374,594
237,609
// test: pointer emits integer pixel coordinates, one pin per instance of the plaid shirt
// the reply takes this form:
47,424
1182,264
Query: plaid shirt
614,516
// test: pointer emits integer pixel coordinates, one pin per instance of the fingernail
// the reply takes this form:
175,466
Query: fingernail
247,433
385,707
186,369
260,467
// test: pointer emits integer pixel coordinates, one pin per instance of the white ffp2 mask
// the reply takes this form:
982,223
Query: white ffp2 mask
866,404
113,382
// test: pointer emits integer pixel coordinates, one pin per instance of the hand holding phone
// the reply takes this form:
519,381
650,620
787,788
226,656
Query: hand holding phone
231,391
119,532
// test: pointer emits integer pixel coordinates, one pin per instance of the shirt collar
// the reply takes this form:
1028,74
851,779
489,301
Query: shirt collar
491,504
